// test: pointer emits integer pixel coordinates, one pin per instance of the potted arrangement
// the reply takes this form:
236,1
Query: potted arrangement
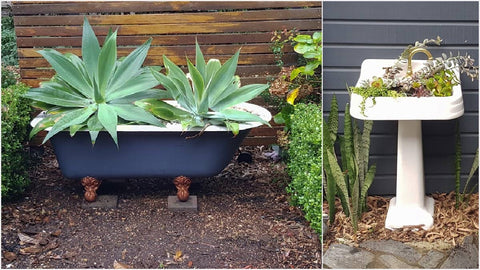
105,118
423,90
408,88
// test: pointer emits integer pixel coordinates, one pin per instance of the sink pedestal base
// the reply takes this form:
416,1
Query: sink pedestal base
410,207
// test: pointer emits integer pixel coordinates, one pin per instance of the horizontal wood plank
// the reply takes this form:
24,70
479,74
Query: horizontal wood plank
257,59
172,28
165,18
150,6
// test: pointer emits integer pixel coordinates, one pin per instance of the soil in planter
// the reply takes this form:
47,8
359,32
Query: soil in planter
244,220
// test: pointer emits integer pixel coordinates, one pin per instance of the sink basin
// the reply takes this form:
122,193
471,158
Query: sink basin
404,108
410,207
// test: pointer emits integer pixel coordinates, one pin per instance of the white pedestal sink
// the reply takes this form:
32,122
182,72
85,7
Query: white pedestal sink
410,207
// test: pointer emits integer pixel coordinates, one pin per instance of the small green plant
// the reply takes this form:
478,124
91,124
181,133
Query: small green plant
206,94
9,42
305,162
96,92
9,76
15,124
310,47
349,177
279,39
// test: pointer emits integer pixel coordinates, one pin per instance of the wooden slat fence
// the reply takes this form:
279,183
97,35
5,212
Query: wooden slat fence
221,28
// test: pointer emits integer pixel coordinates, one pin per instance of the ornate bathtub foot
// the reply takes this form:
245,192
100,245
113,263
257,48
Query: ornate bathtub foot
91,185
183,184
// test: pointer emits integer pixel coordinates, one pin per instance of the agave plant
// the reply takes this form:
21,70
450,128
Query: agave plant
96,92
206,94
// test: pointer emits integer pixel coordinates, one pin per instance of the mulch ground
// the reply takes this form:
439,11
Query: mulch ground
244,220
451,225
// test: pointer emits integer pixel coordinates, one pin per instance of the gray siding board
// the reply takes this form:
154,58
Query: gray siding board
354,31
401,11
353,56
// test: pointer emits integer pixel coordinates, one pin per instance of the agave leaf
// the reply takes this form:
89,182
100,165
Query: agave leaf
145,80
162,109
73,117
231,87
150,93
106,61
80,65
240,116
198,88
109,119
129,66
90,49
243,94
179,78
233,126
212,67
75,128
200,62
55,97
94,127
43,124
222,78
133,113
67,71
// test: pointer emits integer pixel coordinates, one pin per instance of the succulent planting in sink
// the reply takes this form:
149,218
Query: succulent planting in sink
435,78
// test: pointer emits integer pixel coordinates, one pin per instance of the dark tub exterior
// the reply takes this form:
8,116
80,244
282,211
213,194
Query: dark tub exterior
149,151
145,154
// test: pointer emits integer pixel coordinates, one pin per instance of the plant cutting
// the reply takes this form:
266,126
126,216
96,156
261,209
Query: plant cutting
95,92
205,96
436,78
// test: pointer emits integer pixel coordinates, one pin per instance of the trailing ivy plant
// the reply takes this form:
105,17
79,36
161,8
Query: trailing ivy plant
95,92
206,95
351,177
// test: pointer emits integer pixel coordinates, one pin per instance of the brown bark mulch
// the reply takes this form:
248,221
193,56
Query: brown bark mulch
244,220
451,225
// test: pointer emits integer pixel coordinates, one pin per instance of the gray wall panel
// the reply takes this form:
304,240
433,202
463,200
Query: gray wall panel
354,31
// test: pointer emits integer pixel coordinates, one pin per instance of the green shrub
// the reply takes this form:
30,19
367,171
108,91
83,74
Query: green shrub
305,162
9,42
15,120
9,77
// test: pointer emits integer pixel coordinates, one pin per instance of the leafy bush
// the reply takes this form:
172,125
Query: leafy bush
305,162
9,76
15,119
9,42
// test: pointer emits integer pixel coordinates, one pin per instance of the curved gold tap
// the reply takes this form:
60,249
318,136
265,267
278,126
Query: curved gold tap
414,51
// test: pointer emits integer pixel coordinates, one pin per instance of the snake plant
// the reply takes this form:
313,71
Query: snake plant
206,94
95,92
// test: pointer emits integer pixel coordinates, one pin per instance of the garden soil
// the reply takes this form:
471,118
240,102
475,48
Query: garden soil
244,220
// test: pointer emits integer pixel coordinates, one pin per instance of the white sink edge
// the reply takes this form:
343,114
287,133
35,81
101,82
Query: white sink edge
404,108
